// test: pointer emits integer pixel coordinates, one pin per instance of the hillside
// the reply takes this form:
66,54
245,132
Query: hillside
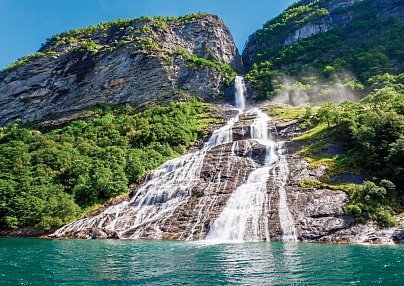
326,50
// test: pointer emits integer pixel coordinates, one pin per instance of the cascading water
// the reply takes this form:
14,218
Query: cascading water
245,216
280,174
169,189
240,92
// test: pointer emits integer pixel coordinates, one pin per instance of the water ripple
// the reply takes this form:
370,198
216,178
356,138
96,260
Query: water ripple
42,262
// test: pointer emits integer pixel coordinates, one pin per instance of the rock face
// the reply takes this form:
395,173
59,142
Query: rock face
183,198
132,62
329,15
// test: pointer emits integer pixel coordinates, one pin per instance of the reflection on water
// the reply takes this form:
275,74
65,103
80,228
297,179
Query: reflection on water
42,262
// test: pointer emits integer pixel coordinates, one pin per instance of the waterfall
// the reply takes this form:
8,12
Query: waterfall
285,217
169,189
240,93
224,134
245,216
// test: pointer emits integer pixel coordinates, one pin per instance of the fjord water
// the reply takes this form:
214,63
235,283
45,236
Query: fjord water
128,262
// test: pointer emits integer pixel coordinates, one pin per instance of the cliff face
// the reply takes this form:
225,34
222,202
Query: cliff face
307,18
120,62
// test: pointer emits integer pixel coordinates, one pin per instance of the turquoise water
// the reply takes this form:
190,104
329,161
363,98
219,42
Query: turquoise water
96,262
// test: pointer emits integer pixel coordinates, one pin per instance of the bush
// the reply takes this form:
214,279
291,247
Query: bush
371,201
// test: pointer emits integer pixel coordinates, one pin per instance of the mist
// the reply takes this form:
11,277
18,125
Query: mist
314,88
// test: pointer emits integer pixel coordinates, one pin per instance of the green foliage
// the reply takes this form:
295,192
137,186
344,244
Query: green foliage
121,24
285,113
372,129
373,134
147,43
328,113
197,62
372,201
24,60
47,180
88,46
292,18
261,77
316,184
318,132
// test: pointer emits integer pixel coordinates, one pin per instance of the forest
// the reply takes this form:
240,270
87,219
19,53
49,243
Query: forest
49,179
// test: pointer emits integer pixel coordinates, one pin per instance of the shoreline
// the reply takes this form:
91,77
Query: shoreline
47,236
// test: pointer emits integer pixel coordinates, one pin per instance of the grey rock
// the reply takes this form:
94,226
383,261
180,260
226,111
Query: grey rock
398,235
356,179
368,233
98,234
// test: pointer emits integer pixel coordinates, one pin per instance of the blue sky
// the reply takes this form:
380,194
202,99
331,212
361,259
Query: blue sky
25,24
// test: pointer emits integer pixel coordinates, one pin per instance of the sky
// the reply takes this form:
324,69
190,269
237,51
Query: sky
25,24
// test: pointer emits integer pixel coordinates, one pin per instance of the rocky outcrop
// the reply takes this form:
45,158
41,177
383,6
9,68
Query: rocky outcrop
308,30
317,212
367,233
132,62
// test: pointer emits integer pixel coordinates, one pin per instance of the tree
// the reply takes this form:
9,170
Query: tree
328,113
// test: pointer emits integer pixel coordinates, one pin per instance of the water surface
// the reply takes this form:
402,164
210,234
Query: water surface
126,262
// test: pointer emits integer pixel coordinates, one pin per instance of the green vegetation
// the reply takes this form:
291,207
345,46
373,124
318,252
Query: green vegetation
372,132
88,46
47,180
316,184
293,17
372,201
364,47
319,132
27,59
285,113
197,62
374,128
122,24
365,57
